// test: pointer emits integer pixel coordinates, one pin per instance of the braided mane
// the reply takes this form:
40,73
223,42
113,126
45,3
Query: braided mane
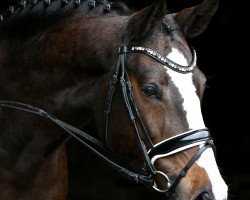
28,17
40,8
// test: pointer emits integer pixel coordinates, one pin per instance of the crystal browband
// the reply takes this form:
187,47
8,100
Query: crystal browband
162,59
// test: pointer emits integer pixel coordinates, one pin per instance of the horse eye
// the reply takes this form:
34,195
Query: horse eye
149,90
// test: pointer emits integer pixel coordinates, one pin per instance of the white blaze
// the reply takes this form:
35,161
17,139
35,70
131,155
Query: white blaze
219,187
184,83
191,105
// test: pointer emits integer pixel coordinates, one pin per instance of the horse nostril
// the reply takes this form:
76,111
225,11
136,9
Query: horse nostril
204,196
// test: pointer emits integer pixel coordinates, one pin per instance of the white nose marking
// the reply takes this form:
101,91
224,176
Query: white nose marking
191,104
219,187
184,83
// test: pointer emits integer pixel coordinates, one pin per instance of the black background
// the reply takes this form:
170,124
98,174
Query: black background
222,55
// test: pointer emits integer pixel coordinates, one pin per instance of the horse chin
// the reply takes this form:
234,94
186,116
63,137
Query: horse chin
182,192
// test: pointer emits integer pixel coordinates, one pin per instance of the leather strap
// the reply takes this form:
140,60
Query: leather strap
184,171
94,145
179,141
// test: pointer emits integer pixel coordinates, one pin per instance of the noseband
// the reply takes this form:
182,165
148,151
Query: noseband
150,152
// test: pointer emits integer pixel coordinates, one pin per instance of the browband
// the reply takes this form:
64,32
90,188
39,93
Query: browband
161,58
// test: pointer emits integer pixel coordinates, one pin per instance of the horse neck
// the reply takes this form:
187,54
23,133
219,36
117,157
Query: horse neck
72,52
58,68
65,65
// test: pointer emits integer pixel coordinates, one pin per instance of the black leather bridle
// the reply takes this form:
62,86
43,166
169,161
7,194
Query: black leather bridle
149,152
167,147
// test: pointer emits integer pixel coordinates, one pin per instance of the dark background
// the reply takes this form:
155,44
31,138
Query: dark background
222,55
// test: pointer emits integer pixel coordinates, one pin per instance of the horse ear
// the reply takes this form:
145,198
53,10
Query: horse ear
193,21
144,22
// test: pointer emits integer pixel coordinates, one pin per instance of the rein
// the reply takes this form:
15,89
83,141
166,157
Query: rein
146,176
114,160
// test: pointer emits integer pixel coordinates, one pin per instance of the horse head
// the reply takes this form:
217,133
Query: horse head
167,91
70,50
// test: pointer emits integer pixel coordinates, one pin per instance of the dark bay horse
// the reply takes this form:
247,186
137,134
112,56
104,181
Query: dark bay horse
129,78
